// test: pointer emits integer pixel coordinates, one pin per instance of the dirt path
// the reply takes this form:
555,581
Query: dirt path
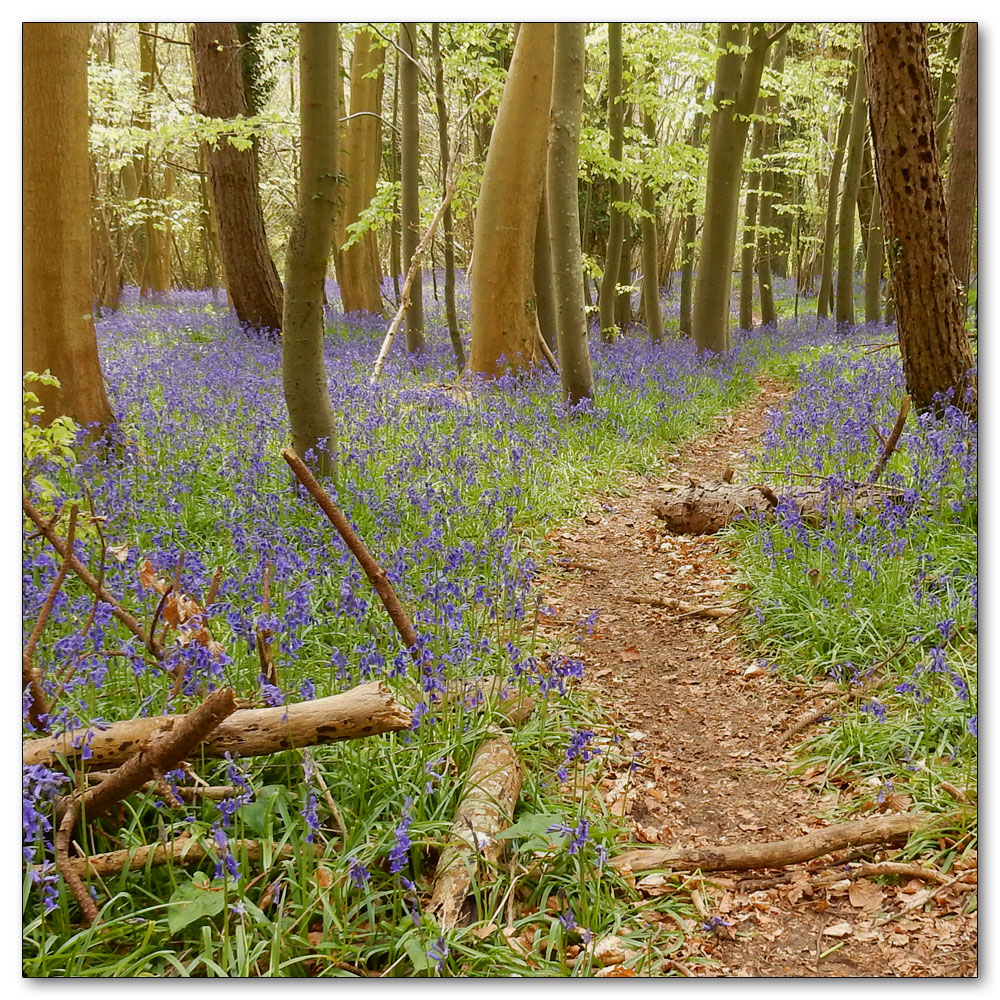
706,719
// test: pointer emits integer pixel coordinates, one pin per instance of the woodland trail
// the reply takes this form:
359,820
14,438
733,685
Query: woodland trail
706,718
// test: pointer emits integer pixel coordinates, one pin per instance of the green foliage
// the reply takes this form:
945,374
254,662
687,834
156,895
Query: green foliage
41,444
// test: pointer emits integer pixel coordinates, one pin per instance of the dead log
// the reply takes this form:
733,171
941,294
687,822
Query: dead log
366,710
777,854
705,508
485,811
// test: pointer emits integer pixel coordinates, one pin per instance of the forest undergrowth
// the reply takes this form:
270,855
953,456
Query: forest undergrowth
454,486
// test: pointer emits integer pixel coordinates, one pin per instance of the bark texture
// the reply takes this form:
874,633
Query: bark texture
303,374
360,270
58,323
616,220
562,181
504,318
932,340
410,179
962,187
251,277
366,710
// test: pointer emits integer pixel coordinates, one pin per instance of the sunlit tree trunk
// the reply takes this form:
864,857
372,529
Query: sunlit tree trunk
57,296
562,173
848,202
504,318
360,274
156,270
650,284
690,228
309,247
932,340
765,237
545,302
251,277
748,251
962,187
410,177
616,221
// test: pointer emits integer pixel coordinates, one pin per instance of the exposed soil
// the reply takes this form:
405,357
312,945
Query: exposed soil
706,717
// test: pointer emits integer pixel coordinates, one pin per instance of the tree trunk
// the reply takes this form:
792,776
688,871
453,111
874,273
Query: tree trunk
866,187
410,177
825,302
944,113
562,173
616,221
623,298
650,282
309,245
765,238
360,274
874,259
504,318
106,275
748,251
395,254
690,228
962,184
848,202
57,302
451,310
156,272
545,296
251,277
736,85
932,340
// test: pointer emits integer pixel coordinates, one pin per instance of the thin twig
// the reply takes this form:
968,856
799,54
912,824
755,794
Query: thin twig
889,446
264,634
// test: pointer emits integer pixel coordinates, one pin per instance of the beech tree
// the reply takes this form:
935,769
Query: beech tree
504,317
960,194
616,219
57,303
251,277
844,305
562,181
932,339
410,179
309,246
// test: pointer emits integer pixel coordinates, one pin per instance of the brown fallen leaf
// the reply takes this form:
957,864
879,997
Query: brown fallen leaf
865,895
630,654
617,971
837,930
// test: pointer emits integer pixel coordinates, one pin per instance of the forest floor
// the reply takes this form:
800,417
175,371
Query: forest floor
707,719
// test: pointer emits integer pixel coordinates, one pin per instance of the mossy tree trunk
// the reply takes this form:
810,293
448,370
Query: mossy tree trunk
251,277
504,317
848,200
57,302
309,247
932,340
409,93
562,182
545,296
616,221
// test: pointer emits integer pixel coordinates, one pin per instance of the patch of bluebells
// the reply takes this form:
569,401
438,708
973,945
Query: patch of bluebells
399,855
579,748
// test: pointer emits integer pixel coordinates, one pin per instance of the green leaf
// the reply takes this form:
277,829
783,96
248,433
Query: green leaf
416,952
191,901
532,825
256,814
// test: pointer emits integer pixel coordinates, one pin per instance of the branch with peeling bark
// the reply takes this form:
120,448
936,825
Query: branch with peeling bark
366,710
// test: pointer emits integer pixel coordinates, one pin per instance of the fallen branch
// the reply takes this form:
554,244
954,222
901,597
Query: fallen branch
366,710
379,580
882,868
703,611
173,741
777,854
485,810
890,445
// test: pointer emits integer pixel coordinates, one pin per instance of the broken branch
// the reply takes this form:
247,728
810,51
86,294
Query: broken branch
704,611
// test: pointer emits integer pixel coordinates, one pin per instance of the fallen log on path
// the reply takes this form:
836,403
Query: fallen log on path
366,710
776,854
485,810
705,508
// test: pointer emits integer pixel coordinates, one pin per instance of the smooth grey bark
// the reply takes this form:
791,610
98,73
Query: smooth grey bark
848,201
616,221
748,251
410,180
309,246
766,238
562,173
545,300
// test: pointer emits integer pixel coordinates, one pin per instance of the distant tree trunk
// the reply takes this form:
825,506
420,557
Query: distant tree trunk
824,303
410,176
251,277
765,238
848,201
748,251
946,94
156,272
504,318
205,224
451,310
962,187
395,230
562,173
106,275
932,340
650,283
545,296
690,227
736,85
309,246
623,298
866,188
360,274
57,296
616,221
874,259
